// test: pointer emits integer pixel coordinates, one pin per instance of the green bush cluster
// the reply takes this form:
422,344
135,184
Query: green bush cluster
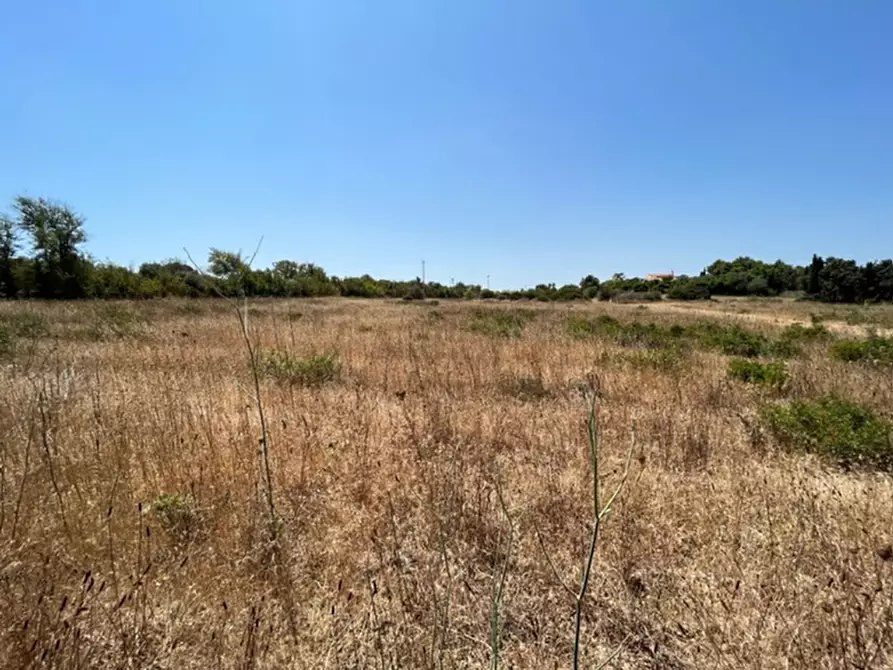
112,322
286,368
500,323
772,374
874,349
732,340
846,432
178,514
797,333
26,325
7,342
662,360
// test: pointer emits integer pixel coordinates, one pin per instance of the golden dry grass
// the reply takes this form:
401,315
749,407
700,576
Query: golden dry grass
722,552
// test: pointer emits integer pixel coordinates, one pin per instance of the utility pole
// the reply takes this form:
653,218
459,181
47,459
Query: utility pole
488,282
423,271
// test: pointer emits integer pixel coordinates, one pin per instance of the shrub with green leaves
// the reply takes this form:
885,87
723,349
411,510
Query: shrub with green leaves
500,323
773,374
661,360
874,349
25,325
799,333
846,432
178,514
7,343
580,327
111,322
285,367
637,296
734,340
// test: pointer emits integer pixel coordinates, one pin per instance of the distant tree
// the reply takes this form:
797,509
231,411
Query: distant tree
883,280
841,281
569,292
758,286
60,269
689,289
8,245
813,281
286,269
226,264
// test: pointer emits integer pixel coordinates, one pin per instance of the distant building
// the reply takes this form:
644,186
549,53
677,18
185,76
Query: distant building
660,276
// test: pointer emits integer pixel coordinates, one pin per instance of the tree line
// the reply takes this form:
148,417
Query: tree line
42,256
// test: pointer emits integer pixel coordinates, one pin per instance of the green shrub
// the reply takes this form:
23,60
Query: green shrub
179,515
500,323
580,328
772,374
689,289
637,296
112,322
287,368
415,292
26,325
799,333
849,433
734,340
875,349
7,343
662,360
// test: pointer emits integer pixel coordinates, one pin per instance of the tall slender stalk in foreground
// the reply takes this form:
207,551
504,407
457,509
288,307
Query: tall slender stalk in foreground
599,512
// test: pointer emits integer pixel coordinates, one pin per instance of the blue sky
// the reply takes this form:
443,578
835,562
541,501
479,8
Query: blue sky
528,140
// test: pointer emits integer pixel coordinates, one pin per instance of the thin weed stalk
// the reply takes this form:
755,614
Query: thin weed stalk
599,512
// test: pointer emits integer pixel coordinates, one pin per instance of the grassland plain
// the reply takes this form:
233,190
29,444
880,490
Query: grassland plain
428,461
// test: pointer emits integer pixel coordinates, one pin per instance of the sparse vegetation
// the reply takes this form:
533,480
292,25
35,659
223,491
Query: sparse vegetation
500,323
179,516
524,387
411,499
287,368
113,322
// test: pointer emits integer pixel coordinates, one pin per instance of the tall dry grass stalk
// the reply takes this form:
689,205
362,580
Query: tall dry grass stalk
134,527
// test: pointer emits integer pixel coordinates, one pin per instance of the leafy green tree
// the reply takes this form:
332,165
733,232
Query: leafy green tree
841,281
8,244
689,288
60,268
287,270
813,282
226,264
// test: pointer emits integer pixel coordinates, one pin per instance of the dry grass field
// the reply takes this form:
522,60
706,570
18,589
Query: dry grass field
431,489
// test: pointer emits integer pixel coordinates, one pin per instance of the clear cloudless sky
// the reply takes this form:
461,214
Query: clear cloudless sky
531,140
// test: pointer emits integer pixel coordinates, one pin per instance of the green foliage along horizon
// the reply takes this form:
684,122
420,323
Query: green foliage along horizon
42,256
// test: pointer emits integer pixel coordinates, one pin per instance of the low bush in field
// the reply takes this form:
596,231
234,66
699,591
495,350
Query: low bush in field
111,322
874,349
7,343
846,432
665,360
637,296
179,515
527,388
732,340
285,367
500,323
796,333
773,374
25,325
